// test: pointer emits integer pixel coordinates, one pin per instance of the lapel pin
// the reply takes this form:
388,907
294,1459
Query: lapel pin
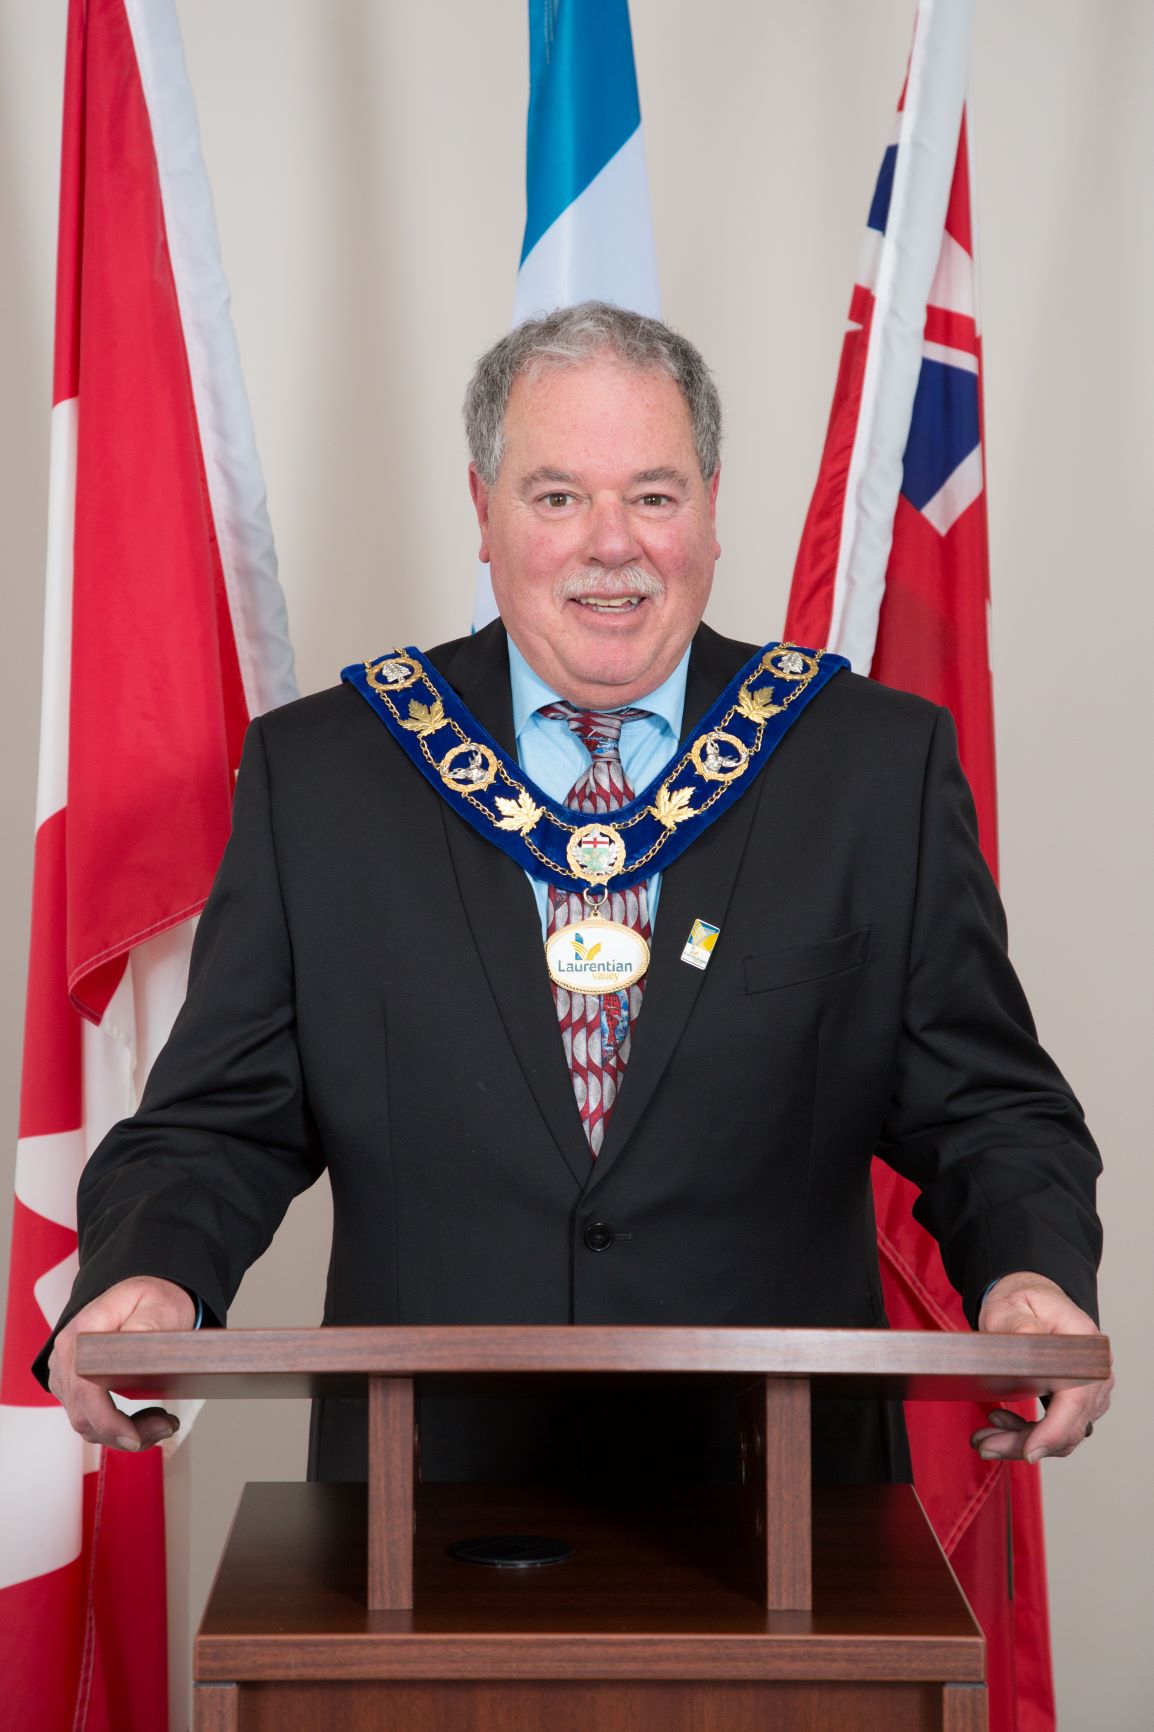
699,944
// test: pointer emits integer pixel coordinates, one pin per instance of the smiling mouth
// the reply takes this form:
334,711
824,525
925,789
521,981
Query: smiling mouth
610,604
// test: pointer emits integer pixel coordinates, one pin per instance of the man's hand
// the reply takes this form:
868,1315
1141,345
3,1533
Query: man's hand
144,1303
1027,1304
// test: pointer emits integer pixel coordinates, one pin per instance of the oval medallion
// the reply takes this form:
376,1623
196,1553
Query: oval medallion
596,956
595,853
468,768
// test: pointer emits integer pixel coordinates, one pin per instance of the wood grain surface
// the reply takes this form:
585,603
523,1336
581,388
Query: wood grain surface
518,1706
392,1472
654,1590
781,1465
215,1708
965,1708
841,1362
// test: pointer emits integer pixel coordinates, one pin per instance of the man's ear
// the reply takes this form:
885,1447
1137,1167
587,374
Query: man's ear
714,483
480,496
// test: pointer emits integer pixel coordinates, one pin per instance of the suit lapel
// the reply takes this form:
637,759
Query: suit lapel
502,913
697,886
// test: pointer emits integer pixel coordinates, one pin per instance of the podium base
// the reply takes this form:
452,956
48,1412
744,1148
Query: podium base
653,1624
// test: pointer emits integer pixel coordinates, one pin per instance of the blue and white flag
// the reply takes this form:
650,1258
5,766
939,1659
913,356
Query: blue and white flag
588,234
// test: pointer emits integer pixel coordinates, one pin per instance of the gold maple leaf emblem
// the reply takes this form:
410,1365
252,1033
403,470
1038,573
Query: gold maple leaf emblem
673,808
425,718
519,814
757,706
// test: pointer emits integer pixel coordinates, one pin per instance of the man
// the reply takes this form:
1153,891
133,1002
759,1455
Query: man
690,1144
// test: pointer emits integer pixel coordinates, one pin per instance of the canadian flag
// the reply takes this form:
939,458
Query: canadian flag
164,633
893,572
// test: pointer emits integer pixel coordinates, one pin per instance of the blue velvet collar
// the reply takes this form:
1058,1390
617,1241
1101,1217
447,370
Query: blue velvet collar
734,740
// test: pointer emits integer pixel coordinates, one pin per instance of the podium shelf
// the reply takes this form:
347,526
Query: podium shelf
655,1591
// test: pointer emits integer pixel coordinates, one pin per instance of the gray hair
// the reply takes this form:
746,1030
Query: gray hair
568,337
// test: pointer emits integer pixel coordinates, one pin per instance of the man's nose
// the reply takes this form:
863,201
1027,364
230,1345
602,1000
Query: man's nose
611,540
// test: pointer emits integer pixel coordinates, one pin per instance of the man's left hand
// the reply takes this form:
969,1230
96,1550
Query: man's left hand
1028,1304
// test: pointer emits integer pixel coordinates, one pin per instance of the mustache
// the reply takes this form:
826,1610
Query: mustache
626,580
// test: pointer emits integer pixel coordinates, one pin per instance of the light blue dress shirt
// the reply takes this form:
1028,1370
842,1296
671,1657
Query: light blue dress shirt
552,756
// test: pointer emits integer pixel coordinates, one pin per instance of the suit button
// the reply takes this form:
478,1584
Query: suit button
598,1237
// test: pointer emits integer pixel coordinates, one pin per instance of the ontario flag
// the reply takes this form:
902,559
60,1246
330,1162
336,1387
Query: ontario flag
164,633
893,572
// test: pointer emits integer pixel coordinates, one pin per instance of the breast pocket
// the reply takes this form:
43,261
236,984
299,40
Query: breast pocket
807,961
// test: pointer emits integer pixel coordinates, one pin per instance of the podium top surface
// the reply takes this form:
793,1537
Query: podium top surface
307,1362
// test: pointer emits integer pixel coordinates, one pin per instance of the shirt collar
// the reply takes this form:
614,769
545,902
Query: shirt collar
530,693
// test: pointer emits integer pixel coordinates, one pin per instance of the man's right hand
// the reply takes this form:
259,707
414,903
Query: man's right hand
144,1303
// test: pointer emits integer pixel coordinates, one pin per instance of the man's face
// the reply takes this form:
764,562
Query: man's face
599,530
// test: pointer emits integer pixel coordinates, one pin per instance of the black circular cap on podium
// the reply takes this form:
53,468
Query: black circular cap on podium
512,1551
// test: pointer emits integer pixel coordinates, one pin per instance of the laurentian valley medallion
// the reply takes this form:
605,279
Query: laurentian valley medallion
596,956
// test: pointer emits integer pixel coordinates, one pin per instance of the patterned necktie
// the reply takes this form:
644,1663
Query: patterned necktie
596,1029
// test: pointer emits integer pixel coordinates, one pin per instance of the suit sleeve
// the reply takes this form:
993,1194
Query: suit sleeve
195,1184
981,1119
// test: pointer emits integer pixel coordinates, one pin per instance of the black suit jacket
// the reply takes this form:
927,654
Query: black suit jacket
368,994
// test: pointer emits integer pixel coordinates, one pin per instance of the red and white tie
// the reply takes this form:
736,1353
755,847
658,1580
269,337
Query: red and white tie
596,1030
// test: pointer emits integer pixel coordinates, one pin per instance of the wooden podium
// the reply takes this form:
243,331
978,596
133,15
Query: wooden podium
766,1605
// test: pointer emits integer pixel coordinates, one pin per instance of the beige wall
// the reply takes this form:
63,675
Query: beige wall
366,157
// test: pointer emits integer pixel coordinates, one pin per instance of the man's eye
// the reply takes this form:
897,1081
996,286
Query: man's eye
656,499
557,499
